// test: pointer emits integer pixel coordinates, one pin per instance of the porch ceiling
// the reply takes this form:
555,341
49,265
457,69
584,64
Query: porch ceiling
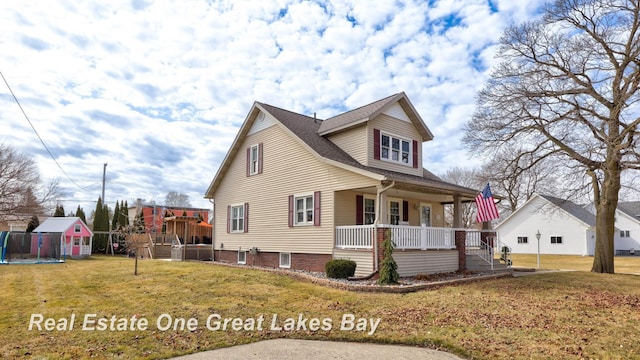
422,193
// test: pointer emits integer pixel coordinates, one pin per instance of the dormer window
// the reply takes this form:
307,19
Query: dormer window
395,149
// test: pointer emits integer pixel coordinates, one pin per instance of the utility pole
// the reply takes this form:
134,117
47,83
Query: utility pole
104,173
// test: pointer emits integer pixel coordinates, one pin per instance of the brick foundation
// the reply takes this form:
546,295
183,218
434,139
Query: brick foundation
299,261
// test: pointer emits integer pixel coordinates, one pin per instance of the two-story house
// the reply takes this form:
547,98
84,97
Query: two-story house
295,191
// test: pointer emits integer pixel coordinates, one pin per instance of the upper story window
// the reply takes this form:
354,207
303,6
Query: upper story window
395,149
77,228
254,159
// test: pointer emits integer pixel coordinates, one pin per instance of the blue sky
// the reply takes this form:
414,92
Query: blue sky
158,89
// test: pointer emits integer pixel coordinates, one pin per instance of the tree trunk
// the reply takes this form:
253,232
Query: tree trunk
605,220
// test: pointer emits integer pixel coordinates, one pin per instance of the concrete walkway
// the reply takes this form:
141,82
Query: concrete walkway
312,349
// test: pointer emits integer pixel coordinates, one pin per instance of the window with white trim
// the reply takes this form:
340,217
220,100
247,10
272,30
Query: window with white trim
523,240
76,241
369,209
285,260
394,212
253,160
556,239
395,149
77,228
237,218
242,257
303,209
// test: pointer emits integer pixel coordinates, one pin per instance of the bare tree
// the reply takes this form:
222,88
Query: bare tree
514,175
568,88
176,199
468,177
21,193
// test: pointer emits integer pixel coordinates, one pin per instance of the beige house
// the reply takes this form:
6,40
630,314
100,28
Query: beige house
295,192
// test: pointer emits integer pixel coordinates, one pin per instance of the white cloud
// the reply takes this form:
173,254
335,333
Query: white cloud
110,81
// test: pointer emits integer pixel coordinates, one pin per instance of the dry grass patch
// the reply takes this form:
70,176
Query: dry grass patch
559,315
623,264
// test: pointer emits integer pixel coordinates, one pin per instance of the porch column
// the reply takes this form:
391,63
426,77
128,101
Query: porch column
457,212
461,246
383,208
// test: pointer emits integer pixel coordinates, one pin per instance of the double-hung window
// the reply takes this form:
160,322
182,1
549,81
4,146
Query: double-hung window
395,149
254,159
237,218
304,209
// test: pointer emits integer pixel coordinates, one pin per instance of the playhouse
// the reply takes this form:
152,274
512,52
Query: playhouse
72,233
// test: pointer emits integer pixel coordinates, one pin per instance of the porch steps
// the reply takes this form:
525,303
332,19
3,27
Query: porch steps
476,263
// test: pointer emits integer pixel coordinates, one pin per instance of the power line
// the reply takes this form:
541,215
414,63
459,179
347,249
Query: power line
38,135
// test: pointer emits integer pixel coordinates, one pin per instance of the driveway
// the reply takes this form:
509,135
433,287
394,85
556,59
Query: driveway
313,349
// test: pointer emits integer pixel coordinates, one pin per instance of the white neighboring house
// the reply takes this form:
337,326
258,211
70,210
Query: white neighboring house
566,228
627,240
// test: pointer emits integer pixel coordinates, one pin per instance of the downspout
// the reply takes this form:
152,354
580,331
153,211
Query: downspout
375,222
213,231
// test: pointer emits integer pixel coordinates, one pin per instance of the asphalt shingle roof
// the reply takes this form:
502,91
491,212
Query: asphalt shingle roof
574,209
306,128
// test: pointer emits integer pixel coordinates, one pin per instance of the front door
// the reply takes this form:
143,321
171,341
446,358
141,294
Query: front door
425,215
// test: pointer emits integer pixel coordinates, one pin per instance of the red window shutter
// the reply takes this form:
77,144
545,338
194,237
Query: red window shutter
359,209
316,208
405,210
376,144
248,161
228,218
415,154
246,217
290,210
260,158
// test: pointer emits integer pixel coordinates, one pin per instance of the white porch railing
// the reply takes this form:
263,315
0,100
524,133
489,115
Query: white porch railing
488,248
355,237
404,237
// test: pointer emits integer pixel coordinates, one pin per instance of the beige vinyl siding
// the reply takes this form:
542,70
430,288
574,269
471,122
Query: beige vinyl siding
345,208
363,259
353,142
393,126
414,262
288,169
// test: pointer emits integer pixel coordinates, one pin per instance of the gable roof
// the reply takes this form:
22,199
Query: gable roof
367,112
58,224
579,212
631,208
306,130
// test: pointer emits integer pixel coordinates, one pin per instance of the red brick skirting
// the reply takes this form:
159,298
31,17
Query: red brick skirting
299,261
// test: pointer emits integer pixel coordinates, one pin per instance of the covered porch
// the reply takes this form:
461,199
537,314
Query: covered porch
423,221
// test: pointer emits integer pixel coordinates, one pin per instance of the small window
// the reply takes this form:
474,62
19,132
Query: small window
77,228
242,257
304,210
523,240
254,160
237,218
624,233
285,260
556,239
76,241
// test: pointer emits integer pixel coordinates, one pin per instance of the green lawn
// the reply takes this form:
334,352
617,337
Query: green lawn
544,316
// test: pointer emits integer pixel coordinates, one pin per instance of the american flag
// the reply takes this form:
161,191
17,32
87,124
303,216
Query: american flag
487,209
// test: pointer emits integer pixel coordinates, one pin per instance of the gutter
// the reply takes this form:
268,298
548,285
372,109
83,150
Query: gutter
213,231
376,221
